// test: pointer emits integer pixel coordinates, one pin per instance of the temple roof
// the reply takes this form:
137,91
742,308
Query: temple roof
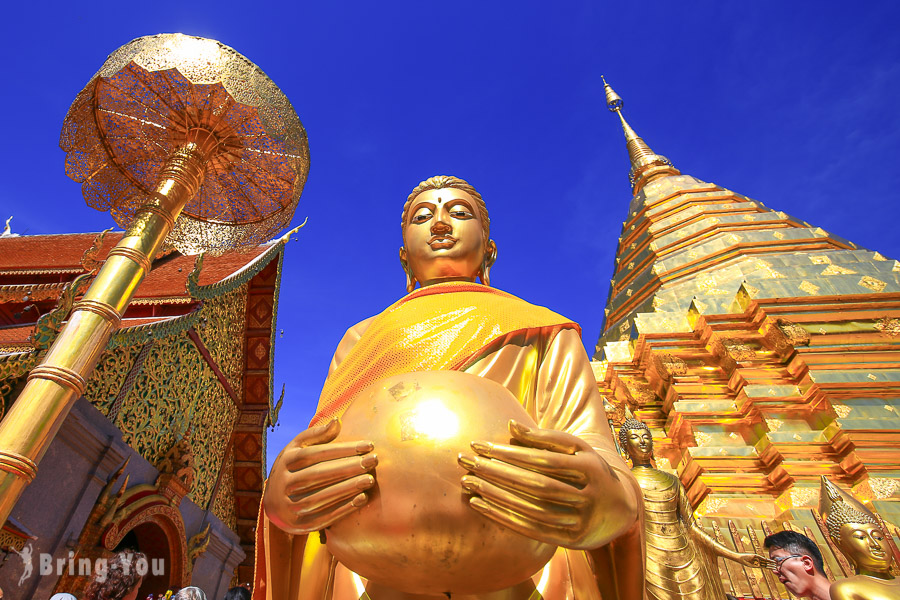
61,254
34,269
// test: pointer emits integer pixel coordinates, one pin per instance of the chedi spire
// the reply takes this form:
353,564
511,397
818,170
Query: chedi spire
646,165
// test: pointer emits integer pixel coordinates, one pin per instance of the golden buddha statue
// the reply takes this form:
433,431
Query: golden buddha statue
542,474
857,533
681,557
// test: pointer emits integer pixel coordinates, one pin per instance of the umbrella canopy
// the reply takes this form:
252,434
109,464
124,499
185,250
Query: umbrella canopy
159,92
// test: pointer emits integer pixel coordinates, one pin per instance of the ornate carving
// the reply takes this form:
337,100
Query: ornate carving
796,334
669,365
223,504
89,258
737,349
48,326
196,546
640,392
272,415
222,332
27,292
179,461
888,326
175,390
109,375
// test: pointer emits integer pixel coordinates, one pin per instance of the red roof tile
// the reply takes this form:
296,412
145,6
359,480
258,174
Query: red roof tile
62,253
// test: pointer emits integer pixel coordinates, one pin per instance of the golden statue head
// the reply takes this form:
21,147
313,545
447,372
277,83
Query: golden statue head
636,440
854,529
446,233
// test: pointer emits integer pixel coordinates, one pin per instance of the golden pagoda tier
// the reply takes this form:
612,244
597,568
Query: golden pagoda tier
762,351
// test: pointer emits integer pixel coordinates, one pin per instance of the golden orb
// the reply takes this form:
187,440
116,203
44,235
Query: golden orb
417,533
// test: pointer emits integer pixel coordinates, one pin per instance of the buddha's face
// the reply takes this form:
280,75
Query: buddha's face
639,445
864,543
443,236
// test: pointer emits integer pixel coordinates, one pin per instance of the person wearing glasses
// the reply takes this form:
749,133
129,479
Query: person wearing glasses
798,564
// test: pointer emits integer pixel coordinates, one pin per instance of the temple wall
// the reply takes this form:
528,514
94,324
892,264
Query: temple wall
55,507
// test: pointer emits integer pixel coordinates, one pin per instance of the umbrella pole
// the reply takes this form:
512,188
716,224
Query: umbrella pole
60,379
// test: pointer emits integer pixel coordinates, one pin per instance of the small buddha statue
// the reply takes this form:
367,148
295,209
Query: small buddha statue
857,533
675,542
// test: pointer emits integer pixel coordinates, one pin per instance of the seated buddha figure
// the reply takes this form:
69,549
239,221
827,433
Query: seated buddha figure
859,536
681,557
551,477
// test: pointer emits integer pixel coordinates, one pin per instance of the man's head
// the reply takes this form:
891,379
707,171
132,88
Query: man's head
800,568
446,233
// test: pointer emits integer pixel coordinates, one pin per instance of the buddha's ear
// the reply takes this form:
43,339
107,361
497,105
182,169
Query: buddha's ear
490,253
487,261
410,278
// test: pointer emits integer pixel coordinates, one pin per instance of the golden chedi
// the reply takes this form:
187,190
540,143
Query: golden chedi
390,522
417,532
681,557
859,536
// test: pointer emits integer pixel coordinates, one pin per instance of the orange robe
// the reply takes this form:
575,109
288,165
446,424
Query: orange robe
537,355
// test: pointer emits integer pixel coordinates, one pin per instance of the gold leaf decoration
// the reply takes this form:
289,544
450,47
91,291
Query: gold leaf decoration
808,287
702,438
876,285
842,410
838,270
883,487
796,334
888,326
737,349
804,496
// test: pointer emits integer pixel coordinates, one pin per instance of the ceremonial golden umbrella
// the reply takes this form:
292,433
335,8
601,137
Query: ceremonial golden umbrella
188,144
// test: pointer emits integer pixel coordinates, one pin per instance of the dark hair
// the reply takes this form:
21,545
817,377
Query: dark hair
119,578
796,543
237,593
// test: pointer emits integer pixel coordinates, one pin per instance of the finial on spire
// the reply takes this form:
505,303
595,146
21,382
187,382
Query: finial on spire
645,164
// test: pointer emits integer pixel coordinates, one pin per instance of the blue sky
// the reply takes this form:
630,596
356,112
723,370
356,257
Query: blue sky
793,104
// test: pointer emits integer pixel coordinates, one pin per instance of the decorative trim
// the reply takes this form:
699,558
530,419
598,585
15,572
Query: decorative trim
153,209
18,465
60,375
162,300
101,308
236,279
30,292
61,271
141,334
135,255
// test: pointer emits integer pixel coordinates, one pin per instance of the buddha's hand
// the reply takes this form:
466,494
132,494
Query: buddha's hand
553,488
316,481
757,561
